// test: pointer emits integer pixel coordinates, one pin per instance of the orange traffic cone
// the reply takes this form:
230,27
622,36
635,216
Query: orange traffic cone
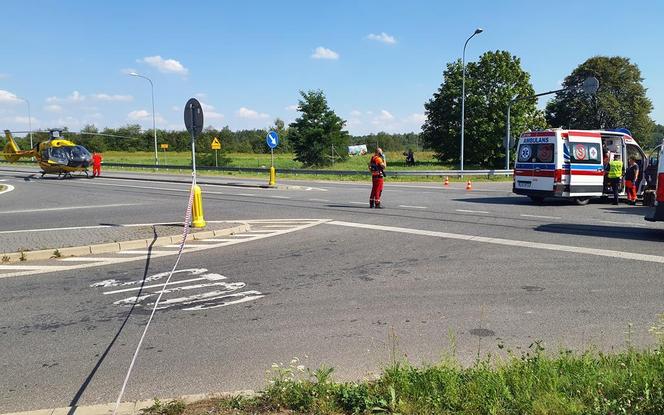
469,185
447,181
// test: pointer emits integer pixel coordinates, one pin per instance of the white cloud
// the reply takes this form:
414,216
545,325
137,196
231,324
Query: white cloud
4,75
324,53
128,71
138,115
201,95
385,116
8,97
176,108
76,97
293,107
383,38
250,114
144,115
73,97
24,120
53,108
355,113
165,65
416,118
113,98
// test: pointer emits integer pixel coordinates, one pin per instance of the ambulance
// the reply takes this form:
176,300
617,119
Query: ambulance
657,211
570,164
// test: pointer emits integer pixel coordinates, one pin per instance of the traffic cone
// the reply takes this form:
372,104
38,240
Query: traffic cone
469,185
447,181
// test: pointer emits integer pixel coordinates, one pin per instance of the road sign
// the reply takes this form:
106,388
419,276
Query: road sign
216,144
590,85
272,139
193,117
163,146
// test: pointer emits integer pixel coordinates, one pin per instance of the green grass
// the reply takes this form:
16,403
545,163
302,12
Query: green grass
285,161
395,160
534,382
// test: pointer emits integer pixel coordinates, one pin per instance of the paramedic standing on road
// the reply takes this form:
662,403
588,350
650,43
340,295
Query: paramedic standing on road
376,167
615,174
96,164
631,176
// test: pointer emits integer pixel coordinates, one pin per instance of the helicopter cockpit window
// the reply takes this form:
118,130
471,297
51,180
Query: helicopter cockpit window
58,154
79,153
55,134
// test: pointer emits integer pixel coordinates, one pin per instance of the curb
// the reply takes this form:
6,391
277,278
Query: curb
129,408
105,248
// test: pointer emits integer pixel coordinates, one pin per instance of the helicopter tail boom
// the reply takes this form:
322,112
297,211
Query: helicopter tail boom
11,152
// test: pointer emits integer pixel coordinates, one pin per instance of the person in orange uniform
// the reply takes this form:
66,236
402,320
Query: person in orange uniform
377,168
96,164
631,177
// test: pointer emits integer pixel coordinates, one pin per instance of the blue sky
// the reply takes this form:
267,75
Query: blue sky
377,61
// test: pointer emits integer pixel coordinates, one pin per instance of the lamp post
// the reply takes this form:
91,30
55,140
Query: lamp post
154,124
29,118
463,90
589,87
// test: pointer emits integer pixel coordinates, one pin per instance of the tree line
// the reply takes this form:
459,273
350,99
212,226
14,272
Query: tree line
318,136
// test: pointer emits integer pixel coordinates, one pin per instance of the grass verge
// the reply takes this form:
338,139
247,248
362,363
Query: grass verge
628,382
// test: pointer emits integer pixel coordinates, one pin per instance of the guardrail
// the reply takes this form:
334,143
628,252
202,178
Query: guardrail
389,173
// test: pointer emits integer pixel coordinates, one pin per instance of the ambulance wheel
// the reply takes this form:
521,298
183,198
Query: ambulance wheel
581,200
538,200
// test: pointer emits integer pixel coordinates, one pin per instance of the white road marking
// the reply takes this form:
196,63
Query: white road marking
279,197
32,267
294,226
246,194
510,242
471,211
88,259
413,207
70,208
145,252
318,200
540,216
8,188
358,203
223,295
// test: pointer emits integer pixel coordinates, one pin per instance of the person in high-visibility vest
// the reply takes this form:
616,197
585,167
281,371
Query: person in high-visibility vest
615,176
377,168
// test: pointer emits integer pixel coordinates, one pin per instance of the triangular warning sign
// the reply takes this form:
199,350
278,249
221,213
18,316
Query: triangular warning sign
216,145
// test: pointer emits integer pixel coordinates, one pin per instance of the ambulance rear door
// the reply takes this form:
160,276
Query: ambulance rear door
586,169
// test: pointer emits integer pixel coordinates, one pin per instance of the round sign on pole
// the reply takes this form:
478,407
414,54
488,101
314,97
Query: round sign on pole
193,117
590,85
272,139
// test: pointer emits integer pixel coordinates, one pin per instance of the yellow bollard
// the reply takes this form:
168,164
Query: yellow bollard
197,209
273,176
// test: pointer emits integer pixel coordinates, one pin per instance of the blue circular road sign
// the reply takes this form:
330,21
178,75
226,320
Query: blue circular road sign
272,139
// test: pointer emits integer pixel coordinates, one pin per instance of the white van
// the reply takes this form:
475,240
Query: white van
569,163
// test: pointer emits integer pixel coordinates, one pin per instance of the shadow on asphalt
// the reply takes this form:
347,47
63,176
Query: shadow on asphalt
349,206
628,210
77,397
604,231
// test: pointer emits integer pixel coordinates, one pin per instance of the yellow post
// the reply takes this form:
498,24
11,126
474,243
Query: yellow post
197,209
273,176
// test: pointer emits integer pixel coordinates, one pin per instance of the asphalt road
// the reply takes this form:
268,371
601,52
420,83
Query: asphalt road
445,270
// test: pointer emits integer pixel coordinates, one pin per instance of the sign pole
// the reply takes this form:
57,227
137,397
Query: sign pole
215,158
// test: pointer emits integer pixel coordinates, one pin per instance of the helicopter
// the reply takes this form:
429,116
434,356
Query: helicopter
55,155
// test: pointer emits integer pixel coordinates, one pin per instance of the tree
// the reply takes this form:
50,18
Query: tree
317,131
490,85
621,100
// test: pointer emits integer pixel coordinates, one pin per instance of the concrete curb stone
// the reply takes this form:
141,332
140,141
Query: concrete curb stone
129,408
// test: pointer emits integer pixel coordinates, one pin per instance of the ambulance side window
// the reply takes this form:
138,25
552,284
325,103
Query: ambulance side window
588,153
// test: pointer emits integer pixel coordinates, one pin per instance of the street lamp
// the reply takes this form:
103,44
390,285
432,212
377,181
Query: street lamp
463,89
29,118
589,87
154,125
